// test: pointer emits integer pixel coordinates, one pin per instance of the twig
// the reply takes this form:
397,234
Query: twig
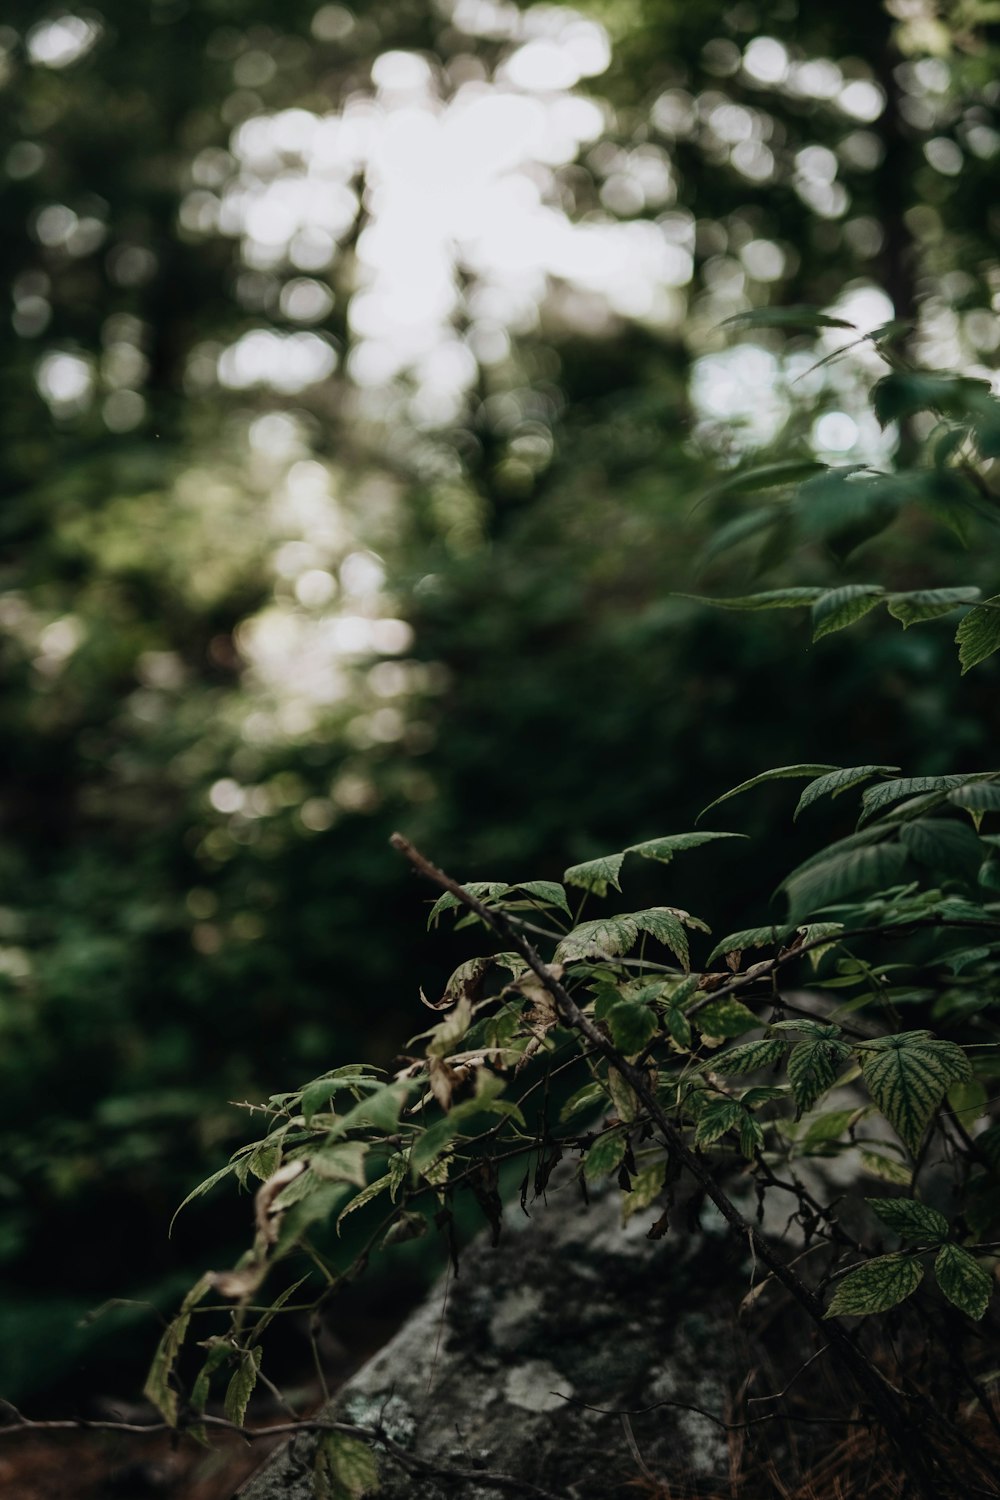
409,1461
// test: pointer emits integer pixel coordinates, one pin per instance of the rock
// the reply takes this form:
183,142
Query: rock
496,1371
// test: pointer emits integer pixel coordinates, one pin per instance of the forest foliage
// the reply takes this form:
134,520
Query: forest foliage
261,606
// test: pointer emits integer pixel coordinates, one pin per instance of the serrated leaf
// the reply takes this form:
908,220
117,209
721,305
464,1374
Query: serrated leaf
907,1075
344,1162
595,875
241,1387
483,890
218,1353
868,867
791,598
977,796
664,849
813,1067
344,1468
548,892
963,1280
750,937
978,635
813,933
842,606
379,1112
748,1058
835,782
725,1018
887,1168
158,1388
679,1028
779,773
717,1116
877,798
586,1098
380,1185
646,1186
664,924
604,937
945,846
632,1025
201,1189
929,604
911,1220
604,1156
876,1286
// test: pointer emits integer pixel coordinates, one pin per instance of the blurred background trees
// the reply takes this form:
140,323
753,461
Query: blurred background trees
362,376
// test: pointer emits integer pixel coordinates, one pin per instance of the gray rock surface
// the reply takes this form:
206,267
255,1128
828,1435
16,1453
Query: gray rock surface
495,1371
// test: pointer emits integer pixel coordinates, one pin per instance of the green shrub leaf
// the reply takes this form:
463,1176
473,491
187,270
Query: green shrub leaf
963,1280
725,1018
604,1155
876,1286
241,1387
779,773
929,604
835,782
911,1220
908,1075
664,849
750,937
596,875
632,1025
978,636
813,1067
344,1468
748,1058
842,606
604,937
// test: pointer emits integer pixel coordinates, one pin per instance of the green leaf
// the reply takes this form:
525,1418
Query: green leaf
380,1185
378,1112
793,598
725,1018
604,1155
842,606
748,1058
664,849
219,1351
978,636
240,1388
483,890
908,1075
963,1280
158,1388
779,773
813,1067
902,394
868,867
344,1162
664,924
596,875
929,604
750,937
911,1220
814,933
606,936
632,1025
835,782
876,798
584,1099
547,892
977,796
344,1468
646,1186
876,1286
679,1027
716,1118
804,318
203,1187
944,846
887,1168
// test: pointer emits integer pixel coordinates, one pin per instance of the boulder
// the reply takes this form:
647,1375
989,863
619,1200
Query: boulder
499,1372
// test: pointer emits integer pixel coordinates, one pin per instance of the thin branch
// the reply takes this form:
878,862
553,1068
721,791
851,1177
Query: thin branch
376,1434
